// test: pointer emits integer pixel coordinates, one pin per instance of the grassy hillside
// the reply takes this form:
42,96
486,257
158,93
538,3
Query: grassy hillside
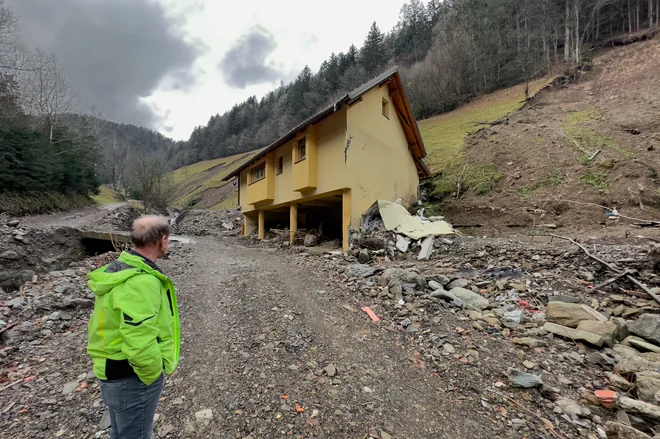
201,185
444,137
107,196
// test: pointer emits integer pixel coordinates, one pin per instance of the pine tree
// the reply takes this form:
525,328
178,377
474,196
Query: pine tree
373,56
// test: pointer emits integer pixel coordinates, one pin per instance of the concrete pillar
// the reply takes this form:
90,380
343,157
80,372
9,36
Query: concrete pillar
262,225
346,213
293,222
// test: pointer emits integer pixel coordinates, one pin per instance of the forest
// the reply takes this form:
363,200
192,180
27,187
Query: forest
448,52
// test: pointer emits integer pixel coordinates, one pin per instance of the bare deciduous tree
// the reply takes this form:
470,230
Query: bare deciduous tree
148,179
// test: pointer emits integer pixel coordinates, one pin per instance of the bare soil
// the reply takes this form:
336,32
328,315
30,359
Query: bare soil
612,108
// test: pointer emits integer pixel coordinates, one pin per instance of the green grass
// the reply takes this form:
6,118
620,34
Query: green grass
598,179
578,126
41,202
106,196
444,137
227,203
553,179
191,181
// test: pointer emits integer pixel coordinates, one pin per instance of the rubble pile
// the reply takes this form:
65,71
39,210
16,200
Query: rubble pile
25,252
503,317
45,375
118,219
198,222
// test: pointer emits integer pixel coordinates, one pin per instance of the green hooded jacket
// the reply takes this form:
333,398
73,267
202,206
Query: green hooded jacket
134,329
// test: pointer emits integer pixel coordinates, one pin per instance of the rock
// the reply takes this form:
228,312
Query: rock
54,316
70,387
638,363
619,381
514,316
567,314
600,358
364,256
528,364
448,296
81,303
13,223
572,408
16,302
435,285
330,370
458,283
360,270
646,326
9,255
493,322
204,415
402,243
639,408
565,299
605,329
621,328
528,341
105,420
617,430
648,384
385,435
449,348
523,379
574,334
310,240
469,298
427,249
65,315
640,344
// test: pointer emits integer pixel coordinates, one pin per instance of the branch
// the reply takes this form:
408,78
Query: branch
610,266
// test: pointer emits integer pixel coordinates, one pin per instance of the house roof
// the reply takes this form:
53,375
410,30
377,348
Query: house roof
402,108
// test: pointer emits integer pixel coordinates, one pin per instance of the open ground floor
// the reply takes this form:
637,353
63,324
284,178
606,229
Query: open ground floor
329,214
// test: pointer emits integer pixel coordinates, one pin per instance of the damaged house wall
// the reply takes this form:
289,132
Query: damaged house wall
378,160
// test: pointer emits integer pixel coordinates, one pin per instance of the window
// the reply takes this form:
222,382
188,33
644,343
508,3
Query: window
302,149
386,108
280,165
258,173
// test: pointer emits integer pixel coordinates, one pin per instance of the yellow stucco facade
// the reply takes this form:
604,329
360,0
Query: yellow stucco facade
343,163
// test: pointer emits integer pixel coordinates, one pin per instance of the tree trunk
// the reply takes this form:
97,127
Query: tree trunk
567,32
637,16
630,28
577,38
650,14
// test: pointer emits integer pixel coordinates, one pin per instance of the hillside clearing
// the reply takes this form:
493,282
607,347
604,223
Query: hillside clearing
106,195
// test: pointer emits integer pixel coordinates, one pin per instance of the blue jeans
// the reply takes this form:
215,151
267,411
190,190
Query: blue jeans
132,406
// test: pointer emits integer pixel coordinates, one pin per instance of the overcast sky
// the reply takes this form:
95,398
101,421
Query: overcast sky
171,64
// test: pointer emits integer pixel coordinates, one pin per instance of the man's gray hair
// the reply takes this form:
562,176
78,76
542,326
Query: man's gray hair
149,229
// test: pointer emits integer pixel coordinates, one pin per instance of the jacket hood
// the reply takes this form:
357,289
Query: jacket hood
104,279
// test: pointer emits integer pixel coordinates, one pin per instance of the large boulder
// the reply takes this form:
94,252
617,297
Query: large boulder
638,363
617,430
469,298
646,326
648,384
604,329
568,314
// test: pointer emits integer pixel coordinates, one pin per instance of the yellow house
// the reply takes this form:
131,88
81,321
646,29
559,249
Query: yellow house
327,171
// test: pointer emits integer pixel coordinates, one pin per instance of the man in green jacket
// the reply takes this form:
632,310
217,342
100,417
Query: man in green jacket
134,330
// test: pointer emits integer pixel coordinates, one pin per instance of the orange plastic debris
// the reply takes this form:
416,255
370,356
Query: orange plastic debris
285,396
299,409
371,314
29,378
606,397
82,386
23,410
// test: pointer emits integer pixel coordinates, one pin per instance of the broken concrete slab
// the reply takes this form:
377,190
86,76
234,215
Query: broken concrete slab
604,329
396,218
402,243
427,249
574,334
567,314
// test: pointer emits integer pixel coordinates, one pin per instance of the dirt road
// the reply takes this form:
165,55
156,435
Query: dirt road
259,332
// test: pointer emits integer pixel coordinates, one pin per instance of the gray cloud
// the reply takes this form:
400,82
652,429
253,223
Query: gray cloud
113,51
245,63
